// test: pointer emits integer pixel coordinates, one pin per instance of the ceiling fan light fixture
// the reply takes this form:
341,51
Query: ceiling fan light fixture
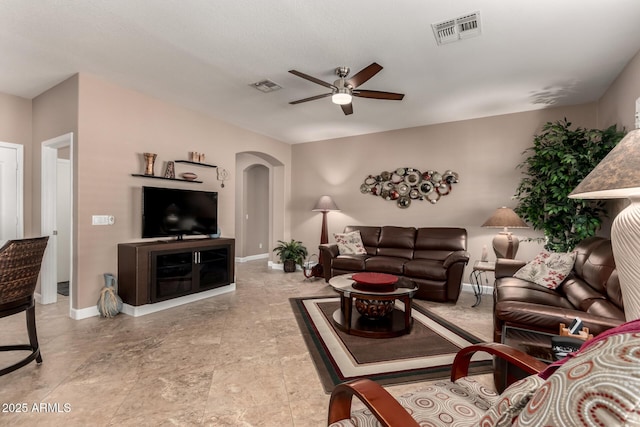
341,97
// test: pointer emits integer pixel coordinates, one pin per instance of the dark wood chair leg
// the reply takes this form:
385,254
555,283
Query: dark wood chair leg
33,336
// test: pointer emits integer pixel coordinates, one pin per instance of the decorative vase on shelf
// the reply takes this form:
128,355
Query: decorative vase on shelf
150,159
171,170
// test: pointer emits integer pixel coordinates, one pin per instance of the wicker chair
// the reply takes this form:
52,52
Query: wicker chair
20,262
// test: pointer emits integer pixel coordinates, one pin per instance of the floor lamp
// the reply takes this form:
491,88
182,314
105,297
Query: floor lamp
617,176
505,244
325,204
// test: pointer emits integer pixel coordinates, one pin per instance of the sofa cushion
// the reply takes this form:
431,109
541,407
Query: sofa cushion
350,243
385,264
438,242
425,268
547,269
397,242
512,289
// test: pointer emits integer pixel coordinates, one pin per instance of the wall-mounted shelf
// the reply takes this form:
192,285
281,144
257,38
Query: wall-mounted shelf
206,165
162,177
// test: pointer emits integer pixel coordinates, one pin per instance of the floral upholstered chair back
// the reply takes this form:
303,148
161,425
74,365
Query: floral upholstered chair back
597,386
600,386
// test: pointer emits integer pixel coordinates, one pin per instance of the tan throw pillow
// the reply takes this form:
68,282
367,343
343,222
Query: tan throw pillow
548,269
350,243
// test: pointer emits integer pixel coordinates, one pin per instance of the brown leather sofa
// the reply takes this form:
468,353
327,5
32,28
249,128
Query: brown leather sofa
433,258
590,292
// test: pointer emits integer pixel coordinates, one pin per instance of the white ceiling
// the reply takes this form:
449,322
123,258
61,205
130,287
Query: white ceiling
203,54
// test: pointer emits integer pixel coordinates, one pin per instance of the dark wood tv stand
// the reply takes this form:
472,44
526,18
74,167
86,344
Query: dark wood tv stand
150,272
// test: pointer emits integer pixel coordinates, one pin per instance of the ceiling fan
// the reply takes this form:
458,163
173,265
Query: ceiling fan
343,89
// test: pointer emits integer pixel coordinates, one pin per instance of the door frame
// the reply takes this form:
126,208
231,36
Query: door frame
19,186
48,197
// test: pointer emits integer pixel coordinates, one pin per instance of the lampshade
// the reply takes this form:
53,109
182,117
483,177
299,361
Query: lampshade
325,204
341,97
504,217
505,245
618,176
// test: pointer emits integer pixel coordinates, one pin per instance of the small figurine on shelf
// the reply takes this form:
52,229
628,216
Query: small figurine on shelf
170,172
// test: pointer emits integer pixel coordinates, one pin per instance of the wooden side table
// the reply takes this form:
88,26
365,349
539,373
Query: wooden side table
478,275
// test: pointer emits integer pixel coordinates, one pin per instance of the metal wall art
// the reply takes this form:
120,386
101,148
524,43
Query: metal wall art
406,184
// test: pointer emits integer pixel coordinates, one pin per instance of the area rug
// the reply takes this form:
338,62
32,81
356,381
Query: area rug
424,354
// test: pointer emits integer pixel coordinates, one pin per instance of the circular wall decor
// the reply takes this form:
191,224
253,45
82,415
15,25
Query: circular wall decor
405,184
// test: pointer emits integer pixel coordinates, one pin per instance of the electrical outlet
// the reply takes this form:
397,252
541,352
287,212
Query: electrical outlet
260,246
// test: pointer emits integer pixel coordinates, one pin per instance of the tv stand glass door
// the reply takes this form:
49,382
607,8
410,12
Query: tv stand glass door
173,275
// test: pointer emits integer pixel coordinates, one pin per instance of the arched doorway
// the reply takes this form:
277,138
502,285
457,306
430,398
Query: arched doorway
260,216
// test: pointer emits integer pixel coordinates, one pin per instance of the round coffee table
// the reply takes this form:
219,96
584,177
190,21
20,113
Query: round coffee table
369,319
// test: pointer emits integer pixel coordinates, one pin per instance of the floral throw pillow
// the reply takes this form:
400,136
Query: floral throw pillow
547,269
350,243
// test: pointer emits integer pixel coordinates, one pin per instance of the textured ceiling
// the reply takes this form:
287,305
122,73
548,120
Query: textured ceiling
204,54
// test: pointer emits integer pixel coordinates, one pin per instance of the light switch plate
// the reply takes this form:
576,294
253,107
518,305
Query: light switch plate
103,220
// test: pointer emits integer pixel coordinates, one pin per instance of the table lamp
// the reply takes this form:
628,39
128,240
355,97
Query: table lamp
505,244
618,176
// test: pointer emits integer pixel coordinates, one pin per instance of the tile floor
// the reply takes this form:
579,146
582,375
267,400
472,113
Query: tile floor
233,360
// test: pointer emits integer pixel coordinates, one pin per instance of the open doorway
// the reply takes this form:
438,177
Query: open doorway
57,201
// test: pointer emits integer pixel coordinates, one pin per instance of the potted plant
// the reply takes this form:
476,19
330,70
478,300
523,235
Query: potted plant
559,159
291,254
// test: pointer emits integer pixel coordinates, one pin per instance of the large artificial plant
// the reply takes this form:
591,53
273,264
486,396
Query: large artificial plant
559,159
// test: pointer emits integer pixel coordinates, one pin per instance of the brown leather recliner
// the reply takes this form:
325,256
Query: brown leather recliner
590,292
432,257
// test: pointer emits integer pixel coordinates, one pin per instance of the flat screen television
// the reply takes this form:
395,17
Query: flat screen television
171,212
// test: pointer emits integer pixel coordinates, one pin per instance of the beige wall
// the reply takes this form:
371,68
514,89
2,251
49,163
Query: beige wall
15,127
485,153
618,104
116,125
55,113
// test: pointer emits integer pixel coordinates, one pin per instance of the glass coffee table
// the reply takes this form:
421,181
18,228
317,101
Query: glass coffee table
375,314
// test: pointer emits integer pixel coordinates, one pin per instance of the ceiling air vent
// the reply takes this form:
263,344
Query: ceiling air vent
456,29
266,86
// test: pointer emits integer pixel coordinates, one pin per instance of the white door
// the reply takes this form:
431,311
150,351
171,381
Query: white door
11,223
63,219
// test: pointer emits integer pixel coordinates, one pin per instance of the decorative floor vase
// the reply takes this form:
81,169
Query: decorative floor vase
109,303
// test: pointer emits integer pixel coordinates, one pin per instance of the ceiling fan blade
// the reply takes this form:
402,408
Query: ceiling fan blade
376,94
313,79
364,75
347,109
311,98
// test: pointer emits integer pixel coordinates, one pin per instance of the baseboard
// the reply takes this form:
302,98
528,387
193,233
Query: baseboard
84,313
252,257
142,310
468,287
279,266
